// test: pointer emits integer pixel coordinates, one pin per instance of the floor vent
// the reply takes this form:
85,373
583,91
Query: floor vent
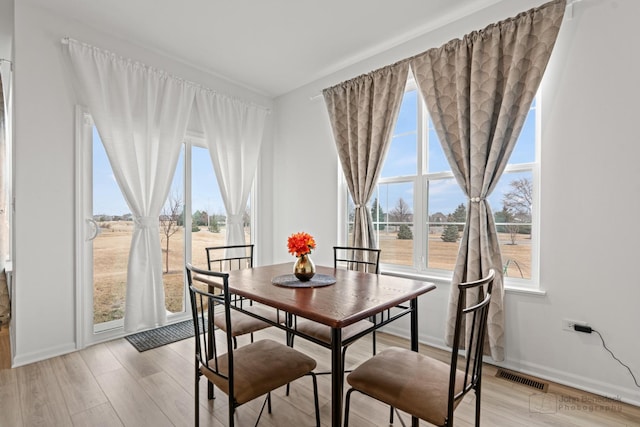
519,378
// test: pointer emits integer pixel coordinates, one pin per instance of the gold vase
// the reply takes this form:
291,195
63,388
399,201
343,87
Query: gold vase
304,268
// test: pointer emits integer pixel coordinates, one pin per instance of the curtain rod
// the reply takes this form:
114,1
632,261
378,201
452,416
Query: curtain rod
568,8
67,39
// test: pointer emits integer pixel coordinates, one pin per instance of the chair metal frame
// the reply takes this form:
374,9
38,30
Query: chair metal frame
362,259
357,258
233,262
246,258
474,346
206,348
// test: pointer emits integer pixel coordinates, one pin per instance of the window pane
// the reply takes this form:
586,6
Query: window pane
172,241
402,159
525,149
392,210
511,203
209,216
446,218
111,247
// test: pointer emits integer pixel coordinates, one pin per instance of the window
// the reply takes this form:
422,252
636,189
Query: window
419,210
192,218
208,215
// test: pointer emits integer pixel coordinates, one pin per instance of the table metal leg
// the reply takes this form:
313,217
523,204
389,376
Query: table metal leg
337,377
414,339
289,322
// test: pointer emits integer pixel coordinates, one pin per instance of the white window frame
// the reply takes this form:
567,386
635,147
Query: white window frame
86,333
420,208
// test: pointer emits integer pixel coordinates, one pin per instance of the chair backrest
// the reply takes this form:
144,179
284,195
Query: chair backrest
203,307
230,257
358,259
469,332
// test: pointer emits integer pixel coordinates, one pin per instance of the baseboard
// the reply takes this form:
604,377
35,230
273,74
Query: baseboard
48,353
611,391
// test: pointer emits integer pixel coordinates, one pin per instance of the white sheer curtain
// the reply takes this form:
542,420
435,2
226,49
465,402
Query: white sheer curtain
233,130
141,114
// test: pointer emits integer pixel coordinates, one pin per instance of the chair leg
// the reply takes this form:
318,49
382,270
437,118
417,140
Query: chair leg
264,403
347,401
390,414
478,404
315,398
197,396
210,394
290,344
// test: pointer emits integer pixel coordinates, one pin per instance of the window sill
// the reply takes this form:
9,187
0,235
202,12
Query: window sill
446,280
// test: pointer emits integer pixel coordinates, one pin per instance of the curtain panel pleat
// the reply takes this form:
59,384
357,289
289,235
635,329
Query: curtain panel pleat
141,115
478,91
363,112
233,132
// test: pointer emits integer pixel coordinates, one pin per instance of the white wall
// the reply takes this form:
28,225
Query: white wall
590,195
6,28
44,303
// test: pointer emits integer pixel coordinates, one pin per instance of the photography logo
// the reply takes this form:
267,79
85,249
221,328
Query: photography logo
543,403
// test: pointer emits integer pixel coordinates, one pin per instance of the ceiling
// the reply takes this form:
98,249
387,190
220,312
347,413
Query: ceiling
270,46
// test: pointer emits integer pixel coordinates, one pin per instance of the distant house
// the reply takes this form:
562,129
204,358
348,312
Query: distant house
438,217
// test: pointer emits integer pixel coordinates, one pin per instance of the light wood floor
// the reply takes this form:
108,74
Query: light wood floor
111,384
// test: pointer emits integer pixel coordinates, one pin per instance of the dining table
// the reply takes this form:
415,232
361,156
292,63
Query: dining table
337,298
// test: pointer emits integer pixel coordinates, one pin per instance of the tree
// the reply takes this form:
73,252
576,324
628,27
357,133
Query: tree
404,233
169,219
450,233
214,227
402,212
507,218
199,218
377,214
459,215
517,206
519,199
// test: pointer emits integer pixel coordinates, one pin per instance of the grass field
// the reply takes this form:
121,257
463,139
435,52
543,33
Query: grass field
111,252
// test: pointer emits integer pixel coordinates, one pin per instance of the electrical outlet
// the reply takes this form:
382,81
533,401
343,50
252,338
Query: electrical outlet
567,324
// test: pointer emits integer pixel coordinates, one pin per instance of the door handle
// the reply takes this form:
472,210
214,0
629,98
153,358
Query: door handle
96,229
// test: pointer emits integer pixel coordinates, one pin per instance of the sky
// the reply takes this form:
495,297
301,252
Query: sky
401,160
108,199
444,194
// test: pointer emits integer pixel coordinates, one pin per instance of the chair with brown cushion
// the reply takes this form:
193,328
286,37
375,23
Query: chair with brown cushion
238,257
424,387
351,258
243,373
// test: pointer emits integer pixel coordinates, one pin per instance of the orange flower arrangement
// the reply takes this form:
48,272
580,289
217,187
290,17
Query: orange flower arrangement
300,244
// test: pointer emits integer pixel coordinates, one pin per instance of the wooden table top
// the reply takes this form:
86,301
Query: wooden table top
354,296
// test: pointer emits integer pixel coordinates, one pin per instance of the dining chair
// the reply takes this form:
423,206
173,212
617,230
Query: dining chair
425,387
238,257
244,373
351,258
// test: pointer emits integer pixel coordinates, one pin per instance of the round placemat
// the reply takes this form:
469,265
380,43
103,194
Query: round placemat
291,281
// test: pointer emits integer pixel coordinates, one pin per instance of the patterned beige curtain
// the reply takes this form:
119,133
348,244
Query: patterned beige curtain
478,91
363,113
